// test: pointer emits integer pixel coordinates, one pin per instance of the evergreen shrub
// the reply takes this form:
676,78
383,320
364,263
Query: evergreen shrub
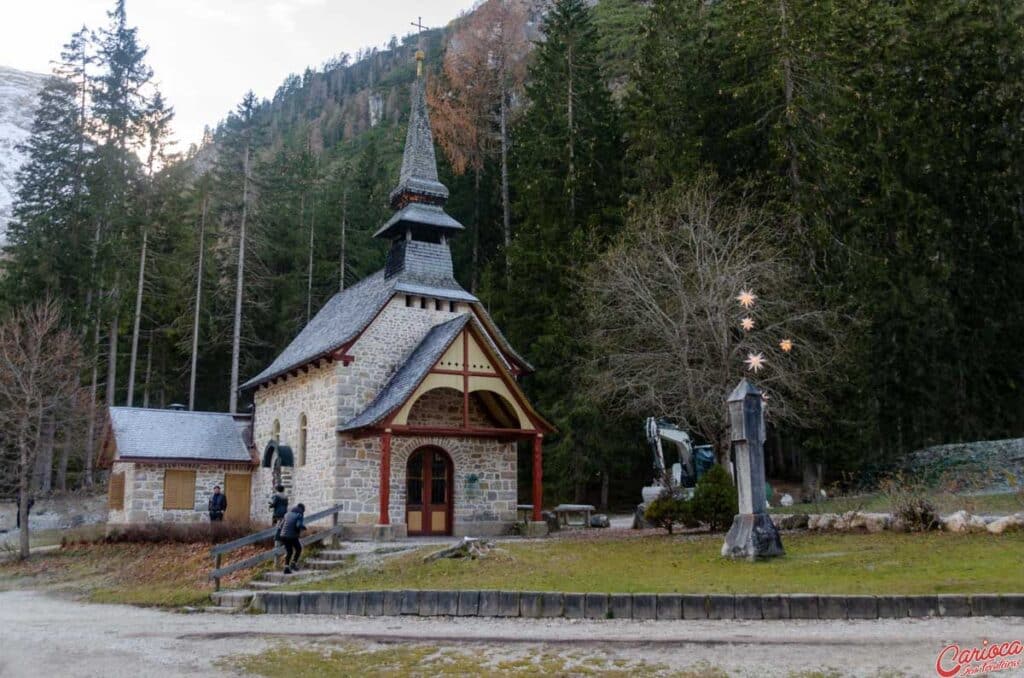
715,501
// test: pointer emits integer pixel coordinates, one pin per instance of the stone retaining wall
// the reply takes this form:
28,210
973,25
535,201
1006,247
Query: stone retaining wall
640,606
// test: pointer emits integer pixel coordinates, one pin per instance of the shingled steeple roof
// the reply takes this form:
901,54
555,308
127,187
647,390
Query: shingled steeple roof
418,179
419,197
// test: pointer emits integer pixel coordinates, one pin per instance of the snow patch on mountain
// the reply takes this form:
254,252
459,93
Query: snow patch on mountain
19,96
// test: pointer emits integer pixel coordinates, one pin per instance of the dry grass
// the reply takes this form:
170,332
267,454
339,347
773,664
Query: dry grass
166,575
416,659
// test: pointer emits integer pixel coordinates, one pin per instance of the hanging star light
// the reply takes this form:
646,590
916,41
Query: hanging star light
755,361
746,298
747,324
786,345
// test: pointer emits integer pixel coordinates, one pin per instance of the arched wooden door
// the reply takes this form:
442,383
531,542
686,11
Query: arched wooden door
429,492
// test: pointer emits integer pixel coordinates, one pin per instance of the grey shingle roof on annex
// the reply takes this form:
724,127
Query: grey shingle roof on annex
405,380
142,433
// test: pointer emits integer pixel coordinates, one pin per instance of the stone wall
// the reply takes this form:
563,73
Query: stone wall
443,407
144,492
485,490
315,394
382,348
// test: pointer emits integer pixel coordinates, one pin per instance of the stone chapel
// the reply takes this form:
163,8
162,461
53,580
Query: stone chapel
399,400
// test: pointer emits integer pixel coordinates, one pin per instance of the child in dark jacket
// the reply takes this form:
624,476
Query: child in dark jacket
291,529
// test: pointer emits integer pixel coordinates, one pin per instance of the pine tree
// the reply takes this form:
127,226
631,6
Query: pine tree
567,176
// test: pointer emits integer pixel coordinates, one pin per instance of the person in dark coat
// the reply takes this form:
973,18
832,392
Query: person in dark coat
291,529
278,505
217,505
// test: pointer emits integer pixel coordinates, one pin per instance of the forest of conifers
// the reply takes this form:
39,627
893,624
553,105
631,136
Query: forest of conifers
867,155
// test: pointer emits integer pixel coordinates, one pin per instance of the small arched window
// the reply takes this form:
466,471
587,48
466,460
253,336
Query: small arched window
301,460
275,433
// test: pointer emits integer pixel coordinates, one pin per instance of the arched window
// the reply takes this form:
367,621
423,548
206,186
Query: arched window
301,460
275,433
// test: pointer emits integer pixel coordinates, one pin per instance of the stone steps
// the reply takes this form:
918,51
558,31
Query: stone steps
319,564
334,554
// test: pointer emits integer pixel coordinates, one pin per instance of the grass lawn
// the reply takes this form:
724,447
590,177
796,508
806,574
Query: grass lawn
882,563
945,502
422,659
166,575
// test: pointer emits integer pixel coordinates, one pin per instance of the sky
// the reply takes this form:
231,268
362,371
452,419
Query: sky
207,53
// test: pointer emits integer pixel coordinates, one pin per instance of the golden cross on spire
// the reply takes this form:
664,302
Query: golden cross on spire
419,47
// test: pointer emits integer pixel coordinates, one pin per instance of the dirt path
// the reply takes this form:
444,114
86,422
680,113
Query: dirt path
44,635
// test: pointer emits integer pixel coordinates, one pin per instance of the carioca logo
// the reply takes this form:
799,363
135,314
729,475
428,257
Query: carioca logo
953,659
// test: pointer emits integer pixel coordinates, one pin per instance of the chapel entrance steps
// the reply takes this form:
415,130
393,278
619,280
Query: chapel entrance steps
318,565
314,567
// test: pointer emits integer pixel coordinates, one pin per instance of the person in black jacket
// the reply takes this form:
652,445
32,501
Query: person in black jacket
291,529
278,505
217,505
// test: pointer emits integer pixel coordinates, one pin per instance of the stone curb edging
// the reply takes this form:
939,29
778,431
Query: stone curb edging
641,606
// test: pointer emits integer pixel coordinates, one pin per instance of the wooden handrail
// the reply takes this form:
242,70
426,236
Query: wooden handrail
268,533
217,552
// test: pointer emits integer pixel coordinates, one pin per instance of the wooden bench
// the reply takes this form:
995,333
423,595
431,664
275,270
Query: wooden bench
565,511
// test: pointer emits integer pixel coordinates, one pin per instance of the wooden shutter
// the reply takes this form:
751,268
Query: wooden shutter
179,489
115,492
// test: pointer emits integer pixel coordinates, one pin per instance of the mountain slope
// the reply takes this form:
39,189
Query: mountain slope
19,92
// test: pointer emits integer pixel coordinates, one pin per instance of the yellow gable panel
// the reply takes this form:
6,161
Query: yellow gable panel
452,358
479,361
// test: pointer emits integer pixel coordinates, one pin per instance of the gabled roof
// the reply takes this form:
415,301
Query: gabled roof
142,433
341,319
405,380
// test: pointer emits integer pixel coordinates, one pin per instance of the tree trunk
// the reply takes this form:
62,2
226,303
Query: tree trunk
506,210
309,277
605,482
344,225
23,494
475,274
138,318
149,369
195,315
42,478
572,146
62,464
90,428
112,361
236,340
811,486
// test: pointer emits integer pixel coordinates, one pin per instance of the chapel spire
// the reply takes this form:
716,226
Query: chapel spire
419,197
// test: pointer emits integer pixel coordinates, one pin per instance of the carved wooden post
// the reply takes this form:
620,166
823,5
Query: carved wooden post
753,534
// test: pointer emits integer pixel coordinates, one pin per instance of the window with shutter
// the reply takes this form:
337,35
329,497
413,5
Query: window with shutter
115,492
179,489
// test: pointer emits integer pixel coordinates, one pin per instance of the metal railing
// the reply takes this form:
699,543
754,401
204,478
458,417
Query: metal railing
218,552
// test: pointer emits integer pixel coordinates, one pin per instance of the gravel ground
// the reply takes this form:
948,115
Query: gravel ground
45,635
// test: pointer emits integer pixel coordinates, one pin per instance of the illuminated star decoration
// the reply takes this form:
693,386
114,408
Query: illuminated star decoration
786,345
755,361
747,324
746,298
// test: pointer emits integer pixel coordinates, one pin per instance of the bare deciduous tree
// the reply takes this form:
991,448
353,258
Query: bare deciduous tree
664,323
40,367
